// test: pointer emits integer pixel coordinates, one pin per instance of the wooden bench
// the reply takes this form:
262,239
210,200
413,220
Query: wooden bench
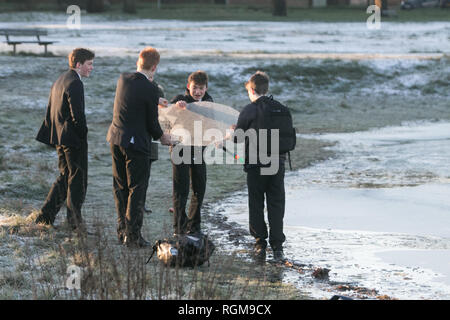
25,33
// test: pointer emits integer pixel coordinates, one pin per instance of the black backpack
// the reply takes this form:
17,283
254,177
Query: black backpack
184,250
274,115
277,116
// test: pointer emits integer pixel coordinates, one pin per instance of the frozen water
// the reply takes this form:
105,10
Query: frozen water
409,155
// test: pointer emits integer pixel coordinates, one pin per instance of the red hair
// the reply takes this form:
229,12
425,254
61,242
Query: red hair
148,58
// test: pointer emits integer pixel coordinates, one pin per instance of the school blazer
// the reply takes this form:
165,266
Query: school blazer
65,120
135,116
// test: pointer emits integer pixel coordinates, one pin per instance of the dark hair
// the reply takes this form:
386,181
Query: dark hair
148,58
80,55
259,82
198,77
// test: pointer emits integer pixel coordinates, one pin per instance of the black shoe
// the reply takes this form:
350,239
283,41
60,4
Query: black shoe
75,224
278,256
139,243
41,218
259,254
81,230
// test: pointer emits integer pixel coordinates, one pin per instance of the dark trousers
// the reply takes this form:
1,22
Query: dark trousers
271,187
70,186
130,181
183,174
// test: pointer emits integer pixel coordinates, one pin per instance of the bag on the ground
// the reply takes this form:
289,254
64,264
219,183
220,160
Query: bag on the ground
184,250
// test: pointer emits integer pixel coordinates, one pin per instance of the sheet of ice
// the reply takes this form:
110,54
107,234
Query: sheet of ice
422,210
395,179
438,260
408,155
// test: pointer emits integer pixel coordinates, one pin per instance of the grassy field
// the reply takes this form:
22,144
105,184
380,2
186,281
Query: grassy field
205,12
325,96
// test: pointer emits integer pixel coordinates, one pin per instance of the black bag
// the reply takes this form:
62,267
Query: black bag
277,116
184,250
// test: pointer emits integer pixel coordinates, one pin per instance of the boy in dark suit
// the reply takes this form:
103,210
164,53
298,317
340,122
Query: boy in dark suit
185,173
262,186
65,128
134,125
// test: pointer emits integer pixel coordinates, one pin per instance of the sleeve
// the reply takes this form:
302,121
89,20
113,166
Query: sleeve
44,131
161,93
153,125
47,111
245,118
179,97
75,96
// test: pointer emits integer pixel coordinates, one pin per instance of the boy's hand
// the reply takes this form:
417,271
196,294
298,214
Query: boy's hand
181,104
229,133
163,103
165,139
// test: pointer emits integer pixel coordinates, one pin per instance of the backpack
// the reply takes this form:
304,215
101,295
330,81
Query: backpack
275,115
184,250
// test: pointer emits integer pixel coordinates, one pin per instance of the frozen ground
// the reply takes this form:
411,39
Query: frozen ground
187,38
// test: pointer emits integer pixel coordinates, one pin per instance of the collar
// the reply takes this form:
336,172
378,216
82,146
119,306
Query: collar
206,97
144,75
260,98
76,72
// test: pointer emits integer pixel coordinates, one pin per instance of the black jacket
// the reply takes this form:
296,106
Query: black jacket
65,120
250,118
188,98
135,117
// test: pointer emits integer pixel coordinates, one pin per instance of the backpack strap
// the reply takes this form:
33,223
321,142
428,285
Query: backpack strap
155,247
289,158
